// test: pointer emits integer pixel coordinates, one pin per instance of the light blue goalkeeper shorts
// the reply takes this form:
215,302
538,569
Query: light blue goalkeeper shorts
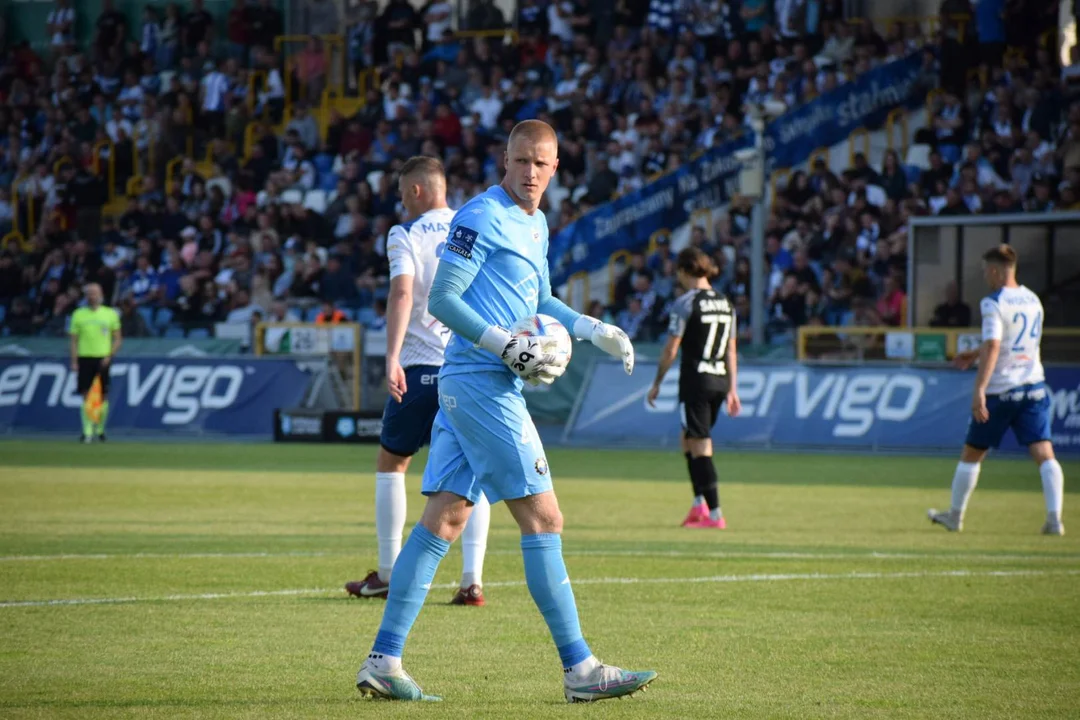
484,440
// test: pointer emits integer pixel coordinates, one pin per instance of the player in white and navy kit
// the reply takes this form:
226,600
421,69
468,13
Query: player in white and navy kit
415,344
1010,391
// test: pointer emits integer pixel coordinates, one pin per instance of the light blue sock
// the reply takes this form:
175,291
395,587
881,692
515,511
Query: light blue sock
409,583
549,584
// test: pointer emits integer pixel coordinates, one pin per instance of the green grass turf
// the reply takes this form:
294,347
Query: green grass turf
830,596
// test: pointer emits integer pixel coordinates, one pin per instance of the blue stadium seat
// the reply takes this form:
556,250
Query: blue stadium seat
949,153
348,312
163,318
913,173
323,163
3,312
198,334
328,182
174,331
365,316
310,313
147,315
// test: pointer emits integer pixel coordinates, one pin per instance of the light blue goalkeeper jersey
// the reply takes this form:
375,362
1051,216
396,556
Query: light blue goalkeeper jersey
492,232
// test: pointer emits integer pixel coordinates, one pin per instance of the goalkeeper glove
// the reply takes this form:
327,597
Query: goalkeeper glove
523,354
608,338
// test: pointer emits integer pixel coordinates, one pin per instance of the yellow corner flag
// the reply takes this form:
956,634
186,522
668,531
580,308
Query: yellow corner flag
93,402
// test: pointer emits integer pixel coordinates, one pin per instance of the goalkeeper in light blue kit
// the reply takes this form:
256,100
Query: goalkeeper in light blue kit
492,273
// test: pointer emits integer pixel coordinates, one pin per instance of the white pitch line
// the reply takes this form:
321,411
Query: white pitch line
781,577
689,555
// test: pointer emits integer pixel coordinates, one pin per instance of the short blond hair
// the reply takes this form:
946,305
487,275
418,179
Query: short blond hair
533,130
423,165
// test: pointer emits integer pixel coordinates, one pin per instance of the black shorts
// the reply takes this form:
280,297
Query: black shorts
90,368
699,413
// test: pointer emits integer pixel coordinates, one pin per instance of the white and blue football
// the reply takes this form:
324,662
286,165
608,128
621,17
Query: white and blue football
554,338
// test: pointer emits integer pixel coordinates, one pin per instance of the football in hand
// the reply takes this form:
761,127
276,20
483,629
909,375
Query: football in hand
553,337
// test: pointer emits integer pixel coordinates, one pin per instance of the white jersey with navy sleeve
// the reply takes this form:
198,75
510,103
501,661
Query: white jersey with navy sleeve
492,232
1014,316
413,248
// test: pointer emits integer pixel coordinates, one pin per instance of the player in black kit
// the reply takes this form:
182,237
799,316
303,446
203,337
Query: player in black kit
703,323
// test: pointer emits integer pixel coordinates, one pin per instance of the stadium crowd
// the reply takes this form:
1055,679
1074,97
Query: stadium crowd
297,227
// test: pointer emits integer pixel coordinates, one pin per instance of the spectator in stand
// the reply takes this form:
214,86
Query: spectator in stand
954,312
329,315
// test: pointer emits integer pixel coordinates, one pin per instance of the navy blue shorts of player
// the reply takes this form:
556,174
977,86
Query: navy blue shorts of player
1026,410
407,424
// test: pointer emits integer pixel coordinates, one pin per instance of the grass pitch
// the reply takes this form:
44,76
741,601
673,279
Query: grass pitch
204,581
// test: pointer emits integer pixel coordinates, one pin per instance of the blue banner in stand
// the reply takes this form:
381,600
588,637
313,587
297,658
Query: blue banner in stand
711,180
174,396
665,204
792,406
831,118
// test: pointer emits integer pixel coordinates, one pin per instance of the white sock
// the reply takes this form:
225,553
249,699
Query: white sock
699,500
715,514
384,663
963,484
1053,481
474,543
389,519
579,672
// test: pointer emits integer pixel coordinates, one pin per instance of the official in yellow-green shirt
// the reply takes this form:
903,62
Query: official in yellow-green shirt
95,339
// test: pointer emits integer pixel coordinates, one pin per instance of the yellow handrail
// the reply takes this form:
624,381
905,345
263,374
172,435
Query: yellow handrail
774,180
663,232
613,262
249,138
858,133
170,171
210,150
897,116
15,202
134,185
17,237
328,43
822,153
583,278
111,174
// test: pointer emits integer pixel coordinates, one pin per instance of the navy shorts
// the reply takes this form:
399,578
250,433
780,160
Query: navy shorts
1025,410
407,424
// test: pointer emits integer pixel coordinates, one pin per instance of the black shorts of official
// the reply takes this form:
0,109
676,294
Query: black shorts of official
90,368
698,414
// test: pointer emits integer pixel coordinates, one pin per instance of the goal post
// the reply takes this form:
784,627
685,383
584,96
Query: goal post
338,350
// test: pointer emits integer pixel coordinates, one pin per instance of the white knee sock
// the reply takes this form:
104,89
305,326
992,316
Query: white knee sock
474,543
1053,482
389,519
963,484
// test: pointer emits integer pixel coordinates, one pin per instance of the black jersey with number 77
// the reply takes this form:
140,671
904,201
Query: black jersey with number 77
705,320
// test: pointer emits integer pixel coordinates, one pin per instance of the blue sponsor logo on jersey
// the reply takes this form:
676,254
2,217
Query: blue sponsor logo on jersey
461,241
